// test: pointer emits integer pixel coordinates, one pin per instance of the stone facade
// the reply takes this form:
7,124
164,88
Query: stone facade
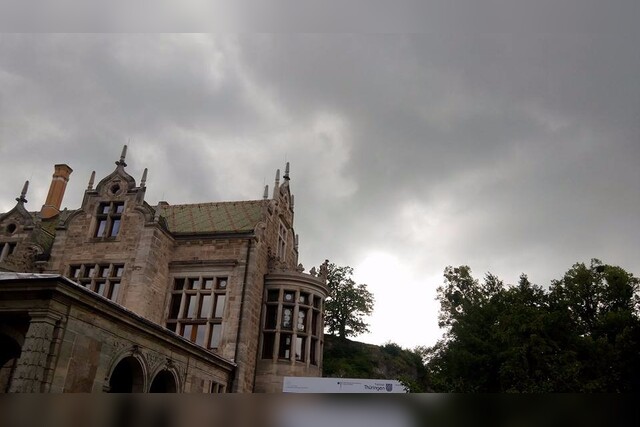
134,297
73,340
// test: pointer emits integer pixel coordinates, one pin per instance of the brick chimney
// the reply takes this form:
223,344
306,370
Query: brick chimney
59,181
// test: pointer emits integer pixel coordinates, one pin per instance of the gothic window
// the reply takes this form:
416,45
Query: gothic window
6,249
103,279
196,309
292,326
108,219
282,241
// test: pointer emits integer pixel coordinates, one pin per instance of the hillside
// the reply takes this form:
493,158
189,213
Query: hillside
344,358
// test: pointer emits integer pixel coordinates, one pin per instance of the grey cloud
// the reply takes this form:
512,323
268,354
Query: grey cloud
510,152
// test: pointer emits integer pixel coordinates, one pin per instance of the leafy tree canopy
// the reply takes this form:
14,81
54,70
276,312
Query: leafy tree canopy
582,334
347,303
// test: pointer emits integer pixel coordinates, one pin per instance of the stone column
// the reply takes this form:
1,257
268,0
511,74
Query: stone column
31,372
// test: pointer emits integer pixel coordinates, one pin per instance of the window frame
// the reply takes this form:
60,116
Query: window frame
193,288
109,220
91,276
304,335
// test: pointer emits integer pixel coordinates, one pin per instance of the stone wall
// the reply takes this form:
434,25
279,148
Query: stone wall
75,340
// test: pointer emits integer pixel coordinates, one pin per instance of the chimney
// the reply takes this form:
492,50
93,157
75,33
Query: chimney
59,181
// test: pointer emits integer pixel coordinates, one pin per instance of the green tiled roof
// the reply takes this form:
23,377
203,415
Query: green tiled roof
213,217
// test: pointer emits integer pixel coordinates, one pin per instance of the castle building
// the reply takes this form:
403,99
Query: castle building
122,296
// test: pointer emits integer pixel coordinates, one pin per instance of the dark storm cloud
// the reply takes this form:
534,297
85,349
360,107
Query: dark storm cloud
552,119
330,16
85,96
509,151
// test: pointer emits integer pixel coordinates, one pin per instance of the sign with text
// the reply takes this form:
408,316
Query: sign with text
340,385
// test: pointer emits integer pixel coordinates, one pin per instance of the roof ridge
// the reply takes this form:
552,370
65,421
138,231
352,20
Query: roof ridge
227,202
213,217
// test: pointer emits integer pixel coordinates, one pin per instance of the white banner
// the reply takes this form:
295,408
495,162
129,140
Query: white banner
340,385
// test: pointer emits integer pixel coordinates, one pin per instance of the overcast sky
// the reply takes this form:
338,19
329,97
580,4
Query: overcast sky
510,151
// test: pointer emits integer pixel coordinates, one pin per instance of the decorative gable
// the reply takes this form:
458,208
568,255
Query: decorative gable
117,183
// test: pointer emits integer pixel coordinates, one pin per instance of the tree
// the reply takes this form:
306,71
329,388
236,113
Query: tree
601,305
346,304
580,335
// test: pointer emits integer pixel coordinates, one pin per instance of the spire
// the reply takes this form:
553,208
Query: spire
22,199
118,176
121,162
91,180
266,192
143,181
276,187
286,172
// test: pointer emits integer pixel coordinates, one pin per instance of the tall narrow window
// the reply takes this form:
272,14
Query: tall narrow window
108,219
267,345
302,317
282,241
285,346
287,317
300,348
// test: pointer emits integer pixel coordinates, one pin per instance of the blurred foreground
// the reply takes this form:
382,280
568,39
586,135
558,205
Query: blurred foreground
312,411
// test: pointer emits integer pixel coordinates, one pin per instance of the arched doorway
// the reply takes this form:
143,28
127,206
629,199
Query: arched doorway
127,377
9,354
13,329
164,382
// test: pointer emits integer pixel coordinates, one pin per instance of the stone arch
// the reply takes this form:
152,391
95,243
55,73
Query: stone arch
128,372
13,329
9,349
127,376
164,381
